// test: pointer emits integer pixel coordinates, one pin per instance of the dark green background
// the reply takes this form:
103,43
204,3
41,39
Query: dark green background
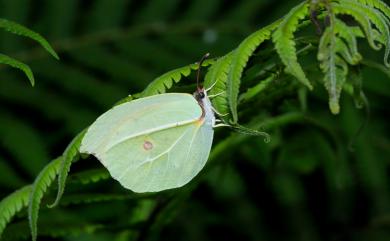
303,185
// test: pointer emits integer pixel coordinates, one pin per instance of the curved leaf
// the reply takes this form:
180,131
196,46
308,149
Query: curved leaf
165,81
378,4
349,36
12,204
283,38
380,21
216,79
361,18
70,155
4,59
23,31
333,66
239,60
41,183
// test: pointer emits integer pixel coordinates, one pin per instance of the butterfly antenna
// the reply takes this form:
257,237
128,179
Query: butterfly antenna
199,67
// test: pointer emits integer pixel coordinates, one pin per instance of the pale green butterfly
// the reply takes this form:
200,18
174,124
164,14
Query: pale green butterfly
154,143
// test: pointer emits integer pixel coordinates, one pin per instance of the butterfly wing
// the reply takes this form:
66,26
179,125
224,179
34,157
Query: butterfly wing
139,117
178,154
151,144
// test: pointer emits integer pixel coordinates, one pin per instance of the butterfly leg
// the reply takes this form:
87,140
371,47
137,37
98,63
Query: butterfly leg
221,125
213,96
216,112
212,86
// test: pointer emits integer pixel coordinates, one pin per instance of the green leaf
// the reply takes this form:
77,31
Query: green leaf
216,79
165,81
349,39
4,59
361,18
70,155
12,204
378,4
239,59
378,18
23,31
333,66
41,183
283,38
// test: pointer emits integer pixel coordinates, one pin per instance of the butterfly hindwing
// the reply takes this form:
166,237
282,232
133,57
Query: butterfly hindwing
176,156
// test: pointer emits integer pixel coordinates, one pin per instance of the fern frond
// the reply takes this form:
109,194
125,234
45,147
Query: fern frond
378,4
23,31
381,22
217,77
12,204
70,155
41,183
283,38
4,59
361,18
165,81
91,176
239,60
337,47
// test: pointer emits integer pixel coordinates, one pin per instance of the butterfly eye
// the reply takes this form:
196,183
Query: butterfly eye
199,95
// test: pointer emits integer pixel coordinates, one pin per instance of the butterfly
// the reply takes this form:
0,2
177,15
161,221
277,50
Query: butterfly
154,143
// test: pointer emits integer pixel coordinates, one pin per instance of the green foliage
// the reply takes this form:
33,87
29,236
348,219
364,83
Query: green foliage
41,184
23,31
4,59
216,79
165,81
283,38
338,45
12,204
70,155
108,58
239,60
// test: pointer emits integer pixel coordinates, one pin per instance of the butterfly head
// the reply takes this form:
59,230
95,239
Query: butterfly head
200,94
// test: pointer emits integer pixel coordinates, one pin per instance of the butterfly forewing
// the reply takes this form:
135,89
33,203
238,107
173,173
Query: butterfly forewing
139,117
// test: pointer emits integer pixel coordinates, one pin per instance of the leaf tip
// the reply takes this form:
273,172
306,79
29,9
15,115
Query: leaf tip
334,107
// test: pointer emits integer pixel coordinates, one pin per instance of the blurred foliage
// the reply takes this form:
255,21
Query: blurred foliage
306,184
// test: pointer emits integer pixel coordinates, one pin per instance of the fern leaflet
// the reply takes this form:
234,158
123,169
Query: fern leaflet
165,81
333,66
41,183
381,22
216,79
12,204
23,31
70,154
378,4
285,44
4,59
361,18
239,60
